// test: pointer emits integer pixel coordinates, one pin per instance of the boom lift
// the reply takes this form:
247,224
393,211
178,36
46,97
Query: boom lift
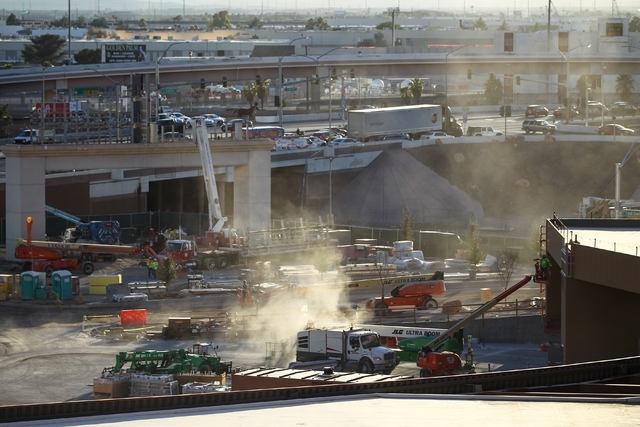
434,362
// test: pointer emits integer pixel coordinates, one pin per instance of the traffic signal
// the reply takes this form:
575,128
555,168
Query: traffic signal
224,82
276,101
469,74
502,111
353,73
333,74
518,80
258,79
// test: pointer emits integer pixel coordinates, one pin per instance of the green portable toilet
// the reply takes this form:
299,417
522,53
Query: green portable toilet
29,281
62,284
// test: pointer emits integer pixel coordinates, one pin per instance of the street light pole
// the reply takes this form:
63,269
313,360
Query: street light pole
618,167
117,103
446,72
280,82
157,103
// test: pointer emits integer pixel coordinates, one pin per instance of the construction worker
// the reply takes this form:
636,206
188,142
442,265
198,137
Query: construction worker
149,268
545,263
154,268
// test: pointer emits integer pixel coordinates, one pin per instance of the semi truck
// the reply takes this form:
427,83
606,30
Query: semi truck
410,119
353,349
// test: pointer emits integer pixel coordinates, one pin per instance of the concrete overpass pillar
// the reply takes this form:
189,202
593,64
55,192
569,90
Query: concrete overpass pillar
252,192
25,187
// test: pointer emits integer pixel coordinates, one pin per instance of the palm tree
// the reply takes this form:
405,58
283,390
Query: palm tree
250,92
262,89
625,87
416,87
405,94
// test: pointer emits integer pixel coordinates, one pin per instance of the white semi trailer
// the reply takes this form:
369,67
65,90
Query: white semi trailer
385,121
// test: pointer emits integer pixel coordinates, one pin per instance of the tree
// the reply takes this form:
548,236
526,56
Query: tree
96,32
99,23
379,38
406,233
142,23
493,89
317,24
167,271
219,20
249,92
480,25
323,259
88,56
366,43
387,26
255,23
80,22
508,263
504,26
405,94
5,121
581,87
8,66
177,18
416,87
634,25
262,90
625,87
13,20
474,249
47,47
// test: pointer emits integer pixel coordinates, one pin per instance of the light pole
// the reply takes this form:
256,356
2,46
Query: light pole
602,93
328,67
618,167
280,77
158,75
566,58
446,72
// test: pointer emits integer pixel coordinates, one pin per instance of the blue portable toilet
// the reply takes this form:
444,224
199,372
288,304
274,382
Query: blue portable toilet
29,281
62,284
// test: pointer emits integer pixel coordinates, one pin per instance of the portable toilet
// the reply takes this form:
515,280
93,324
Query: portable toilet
29,281
62,284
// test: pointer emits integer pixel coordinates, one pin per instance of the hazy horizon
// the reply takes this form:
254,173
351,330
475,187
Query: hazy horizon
371,7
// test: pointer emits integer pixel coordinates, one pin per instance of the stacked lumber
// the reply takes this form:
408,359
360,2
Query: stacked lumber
153,385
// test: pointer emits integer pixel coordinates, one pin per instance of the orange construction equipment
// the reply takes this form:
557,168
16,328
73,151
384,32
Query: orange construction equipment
416,294
433,362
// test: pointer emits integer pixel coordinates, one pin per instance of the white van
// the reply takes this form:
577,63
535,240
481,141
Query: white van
32,136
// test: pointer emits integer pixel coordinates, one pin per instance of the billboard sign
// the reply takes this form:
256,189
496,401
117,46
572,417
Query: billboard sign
124,52
53,110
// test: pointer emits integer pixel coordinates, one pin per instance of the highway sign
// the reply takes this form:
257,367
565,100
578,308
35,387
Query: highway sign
290,89
168,90
86,91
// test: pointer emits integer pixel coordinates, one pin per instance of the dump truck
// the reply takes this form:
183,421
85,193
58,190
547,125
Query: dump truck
416,294
196,359
352,349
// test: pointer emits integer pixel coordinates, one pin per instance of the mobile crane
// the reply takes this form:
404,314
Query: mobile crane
435,363
51,256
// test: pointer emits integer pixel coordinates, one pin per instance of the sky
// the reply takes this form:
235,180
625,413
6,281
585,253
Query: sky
321,9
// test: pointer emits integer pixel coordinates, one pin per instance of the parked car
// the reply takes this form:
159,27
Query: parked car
316,142
435,135
217,120
561,112
192,122
536,111
344,142
170,124
612,129
231,124
597,109
622,109
482,131
535,125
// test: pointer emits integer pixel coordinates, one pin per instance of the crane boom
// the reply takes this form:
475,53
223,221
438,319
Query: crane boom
216,220
61,214
439,340
83,247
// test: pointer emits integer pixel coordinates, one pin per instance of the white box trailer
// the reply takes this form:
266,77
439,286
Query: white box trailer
385,121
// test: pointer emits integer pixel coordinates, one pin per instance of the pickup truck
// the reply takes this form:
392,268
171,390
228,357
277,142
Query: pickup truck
29,136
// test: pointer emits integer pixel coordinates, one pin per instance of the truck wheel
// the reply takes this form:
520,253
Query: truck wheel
88,268
48,270
527,130
222,262
430,303
381,308
210,263
204,368
365,367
